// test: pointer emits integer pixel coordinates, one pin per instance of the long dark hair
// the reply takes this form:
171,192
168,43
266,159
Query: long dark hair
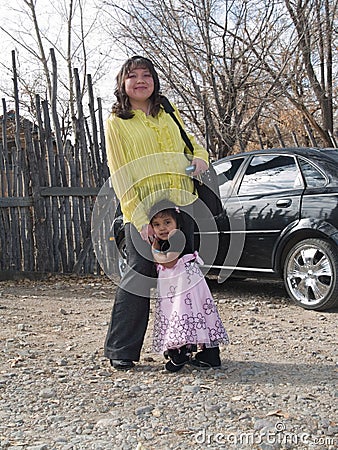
122,107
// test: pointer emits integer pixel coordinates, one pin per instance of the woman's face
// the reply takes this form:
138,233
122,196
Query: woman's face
139,85
163,224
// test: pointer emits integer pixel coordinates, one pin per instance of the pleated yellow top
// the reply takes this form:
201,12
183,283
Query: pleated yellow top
147,163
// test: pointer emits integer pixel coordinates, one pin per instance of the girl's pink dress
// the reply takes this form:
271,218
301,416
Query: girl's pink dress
185,311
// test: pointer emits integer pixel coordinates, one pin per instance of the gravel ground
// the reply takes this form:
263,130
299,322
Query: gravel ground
277,387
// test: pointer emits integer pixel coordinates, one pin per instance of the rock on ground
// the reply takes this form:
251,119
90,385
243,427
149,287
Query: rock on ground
277,388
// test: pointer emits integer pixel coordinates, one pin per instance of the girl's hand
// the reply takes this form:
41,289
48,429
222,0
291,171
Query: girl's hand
147,233
201,166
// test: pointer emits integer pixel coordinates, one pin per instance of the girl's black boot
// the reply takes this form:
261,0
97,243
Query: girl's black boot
207,358
178,358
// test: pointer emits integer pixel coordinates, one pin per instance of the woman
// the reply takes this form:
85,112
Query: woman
147,164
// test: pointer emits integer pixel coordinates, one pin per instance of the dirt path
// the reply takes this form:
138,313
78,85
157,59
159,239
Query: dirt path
277,387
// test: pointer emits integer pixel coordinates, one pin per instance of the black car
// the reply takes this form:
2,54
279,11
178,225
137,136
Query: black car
279,219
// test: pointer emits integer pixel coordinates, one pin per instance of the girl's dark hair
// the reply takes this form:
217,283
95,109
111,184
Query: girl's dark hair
122,107
165,207
178,242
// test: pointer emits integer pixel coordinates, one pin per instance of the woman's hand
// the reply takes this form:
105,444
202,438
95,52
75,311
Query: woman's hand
201,166
147,233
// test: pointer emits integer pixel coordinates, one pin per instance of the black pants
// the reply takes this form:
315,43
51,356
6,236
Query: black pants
130,314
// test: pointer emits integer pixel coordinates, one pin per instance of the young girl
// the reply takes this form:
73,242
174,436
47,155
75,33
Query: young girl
185,315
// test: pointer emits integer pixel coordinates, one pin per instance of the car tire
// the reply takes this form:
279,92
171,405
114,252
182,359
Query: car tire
122,256
311,274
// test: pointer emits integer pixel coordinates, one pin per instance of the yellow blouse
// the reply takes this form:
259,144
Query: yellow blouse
147,163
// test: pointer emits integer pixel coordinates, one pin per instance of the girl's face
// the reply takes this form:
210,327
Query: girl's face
163,224
139,85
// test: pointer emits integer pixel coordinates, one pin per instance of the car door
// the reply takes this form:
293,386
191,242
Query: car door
216,238
265,201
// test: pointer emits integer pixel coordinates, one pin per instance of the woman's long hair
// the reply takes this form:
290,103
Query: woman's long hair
122,107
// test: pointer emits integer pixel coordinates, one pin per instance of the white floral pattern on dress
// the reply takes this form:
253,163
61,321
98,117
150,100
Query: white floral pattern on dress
185,311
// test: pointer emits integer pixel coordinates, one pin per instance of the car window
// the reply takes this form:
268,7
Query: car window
271,173
226,172
313,177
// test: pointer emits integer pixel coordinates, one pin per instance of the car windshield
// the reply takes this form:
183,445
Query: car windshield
226,172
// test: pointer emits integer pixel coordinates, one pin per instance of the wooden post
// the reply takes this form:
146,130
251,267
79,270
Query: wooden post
105,170
54,226
3,156
83,149
96,150
40,231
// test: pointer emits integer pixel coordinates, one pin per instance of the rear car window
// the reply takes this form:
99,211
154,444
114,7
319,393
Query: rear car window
268,173
313,177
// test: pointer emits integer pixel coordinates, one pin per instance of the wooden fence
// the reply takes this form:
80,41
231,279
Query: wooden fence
48,190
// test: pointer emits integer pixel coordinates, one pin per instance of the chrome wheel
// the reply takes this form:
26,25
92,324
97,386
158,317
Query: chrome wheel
310,274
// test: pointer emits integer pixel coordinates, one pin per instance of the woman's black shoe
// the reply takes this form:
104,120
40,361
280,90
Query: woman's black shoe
122,364
206,359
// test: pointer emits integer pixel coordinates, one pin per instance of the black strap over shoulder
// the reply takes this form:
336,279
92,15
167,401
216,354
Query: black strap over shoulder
207,184
168,108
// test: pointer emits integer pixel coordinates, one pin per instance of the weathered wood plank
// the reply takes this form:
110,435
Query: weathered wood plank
14,202
58,191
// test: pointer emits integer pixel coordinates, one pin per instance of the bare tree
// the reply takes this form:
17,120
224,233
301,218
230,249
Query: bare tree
210,54
69,33
231,63
315,23
300,62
